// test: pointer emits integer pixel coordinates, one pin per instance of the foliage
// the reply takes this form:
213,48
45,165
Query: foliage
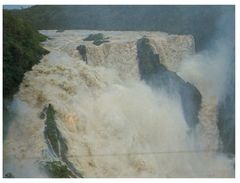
21,50
199,21
57,146
51,131
57,169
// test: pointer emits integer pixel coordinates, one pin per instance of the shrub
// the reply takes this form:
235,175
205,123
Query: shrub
56,169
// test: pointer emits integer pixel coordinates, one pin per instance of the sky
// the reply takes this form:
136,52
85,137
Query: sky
15,6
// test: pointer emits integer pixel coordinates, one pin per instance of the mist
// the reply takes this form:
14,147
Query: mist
217,62
146,104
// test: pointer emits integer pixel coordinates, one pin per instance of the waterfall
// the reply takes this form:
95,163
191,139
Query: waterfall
114,123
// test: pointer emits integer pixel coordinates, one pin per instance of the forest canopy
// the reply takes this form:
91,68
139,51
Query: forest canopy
21,50
199,21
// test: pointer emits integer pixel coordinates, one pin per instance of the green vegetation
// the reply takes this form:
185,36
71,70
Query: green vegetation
21,50
97,39
56,169
199,21
57,146
51,131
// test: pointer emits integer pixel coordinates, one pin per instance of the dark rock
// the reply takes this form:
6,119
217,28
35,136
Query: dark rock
60,30
158,76
42,115
83,52
148,61
97,39
93,37
99,42
9,175
226,117
191,102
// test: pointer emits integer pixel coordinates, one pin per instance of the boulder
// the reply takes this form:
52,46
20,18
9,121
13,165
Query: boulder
82,49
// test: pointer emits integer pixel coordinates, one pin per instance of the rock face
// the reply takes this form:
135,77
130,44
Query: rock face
158,76
83,52
226,118
148,61
57,147
226,125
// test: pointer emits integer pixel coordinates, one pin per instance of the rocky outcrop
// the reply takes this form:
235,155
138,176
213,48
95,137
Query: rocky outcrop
59,30
57,147
97,39
158,76
83,52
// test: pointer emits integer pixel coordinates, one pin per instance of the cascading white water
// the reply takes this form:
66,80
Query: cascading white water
115,125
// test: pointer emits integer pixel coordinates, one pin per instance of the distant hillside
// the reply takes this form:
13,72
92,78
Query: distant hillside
200,21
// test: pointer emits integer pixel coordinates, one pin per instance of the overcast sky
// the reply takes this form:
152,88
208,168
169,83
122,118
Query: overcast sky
15,6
